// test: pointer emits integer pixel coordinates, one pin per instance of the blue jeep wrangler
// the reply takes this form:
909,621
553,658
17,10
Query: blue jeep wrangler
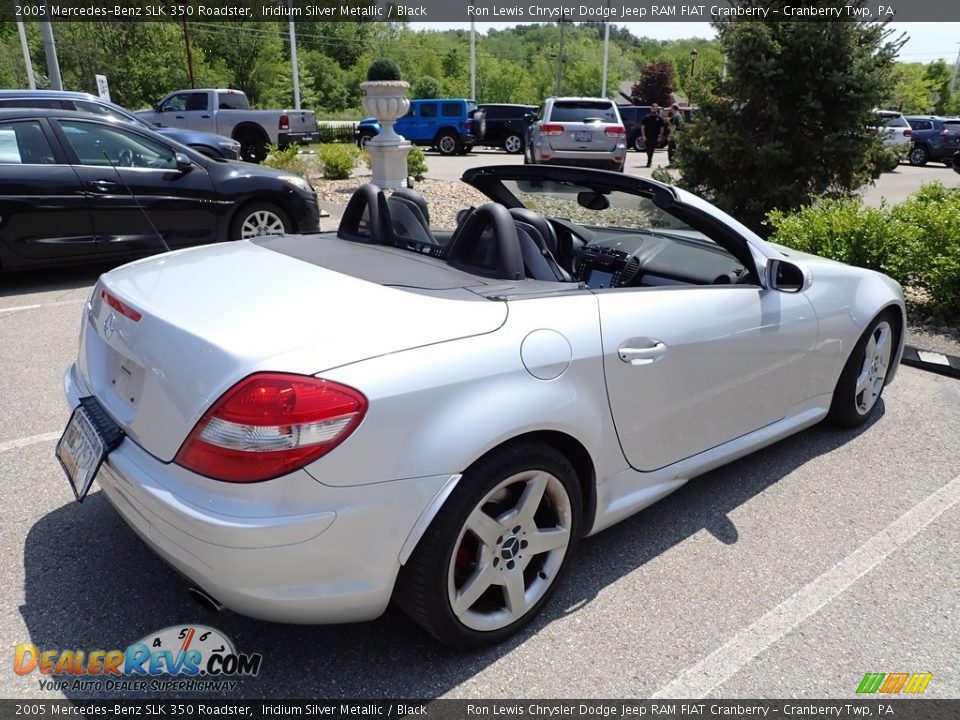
446,124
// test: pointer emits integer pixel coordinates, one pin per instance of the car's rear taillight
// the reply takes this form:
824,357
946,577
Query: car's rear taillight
270,424
120,306
615,131
548,129
284,122
908,132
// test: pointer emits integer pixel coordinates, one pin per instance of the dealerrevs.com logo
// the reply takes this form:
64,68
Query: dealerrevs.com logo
179,658
894,683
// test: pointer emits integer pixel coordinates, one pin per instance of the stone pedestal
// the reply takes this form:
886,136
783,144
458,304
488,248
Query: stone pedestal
387,100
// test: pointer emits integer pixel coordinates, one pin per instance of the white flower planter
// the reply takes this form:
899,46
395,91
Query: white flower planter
387,101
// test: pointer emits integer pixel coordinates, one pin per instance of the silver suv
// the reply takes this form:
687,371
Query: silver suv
581,131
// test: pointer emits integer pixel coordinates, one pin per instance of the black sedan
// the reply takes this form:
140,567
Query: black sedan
75,187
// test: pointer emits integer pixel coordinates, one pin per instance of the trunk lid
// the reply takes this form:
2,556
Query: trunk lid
213,315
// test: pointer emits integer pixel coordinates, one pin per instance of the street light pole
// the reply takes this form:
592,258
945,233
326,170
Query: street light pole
606,54
560,57
693,62
26,55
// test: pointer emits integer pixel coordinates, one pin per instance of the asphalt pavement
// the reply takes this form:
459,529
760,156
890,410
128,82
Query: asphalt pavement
790,573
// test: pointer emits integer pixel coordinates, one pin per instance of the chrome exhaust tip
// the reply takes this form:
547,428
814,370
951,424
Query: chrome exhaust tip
205,599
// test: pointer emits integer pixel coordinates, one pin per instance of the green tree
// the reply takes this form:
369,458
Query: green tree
912,89
787,122
426,87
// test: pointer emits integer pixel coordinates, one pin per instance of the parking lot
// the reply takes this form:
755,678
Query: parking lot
790,573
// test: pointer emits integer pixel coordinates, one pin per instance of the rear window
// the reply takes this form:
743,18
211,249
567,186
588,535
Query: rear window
896,122
582,110
921,124
953,126
450,109
232,101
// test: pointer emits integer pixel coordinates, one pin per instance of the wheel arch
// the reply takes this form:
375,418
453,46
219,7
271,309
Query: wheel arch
567,445
248,126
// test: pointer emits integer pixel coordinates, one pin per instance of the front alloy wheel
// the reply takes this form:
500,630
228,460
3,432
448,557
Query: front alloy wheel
513,144
259,219
862,380
494,554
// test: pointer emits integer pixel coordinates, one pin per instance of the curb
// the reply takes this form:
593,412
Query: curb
930,361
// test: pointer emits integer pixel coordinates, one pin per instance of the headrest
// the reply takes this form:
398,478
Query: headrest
416,198
486,244
366,218
540,223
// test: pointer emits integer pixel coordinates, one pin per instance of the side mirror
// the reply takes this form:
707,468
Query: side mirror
159,108
788,276
184,164
529,117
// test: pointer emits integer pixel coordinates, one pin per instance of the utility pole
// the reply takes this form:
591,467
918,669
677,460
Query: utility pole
956,63
606,54
473,61
186,44
560,58
26,55
50,49
293,60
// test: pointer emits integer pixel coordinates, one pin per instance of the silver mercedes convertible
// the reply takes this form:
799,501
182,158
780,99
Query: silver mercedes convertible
308,427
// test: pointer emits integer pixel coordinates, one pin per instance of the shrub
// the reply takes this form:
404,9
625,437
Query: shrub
338,160
917,243
383,69
427,88
288,159
417,163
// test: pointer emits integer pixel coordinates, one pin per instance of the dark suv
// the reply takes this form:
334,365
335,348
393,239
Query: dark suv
632,115
506,125
934,138
445,124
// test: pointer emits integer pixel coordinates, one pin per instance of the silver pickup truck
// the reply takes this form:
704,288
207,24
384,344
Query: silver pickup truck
227,112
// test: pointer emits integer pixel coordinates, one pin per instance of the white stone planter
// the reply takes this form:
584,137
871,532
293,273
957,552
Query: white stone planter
387,100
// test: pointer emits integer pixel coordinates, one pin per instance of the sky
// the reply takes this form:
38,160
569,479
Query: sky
928,41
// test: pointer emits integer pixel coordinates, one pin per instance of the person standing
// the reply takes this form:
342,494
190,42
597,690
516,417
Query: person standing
652,128
674,123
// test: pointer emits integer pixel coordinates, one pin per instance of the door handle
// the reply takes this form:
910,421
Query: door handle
179,117
102,185
205,117
641,355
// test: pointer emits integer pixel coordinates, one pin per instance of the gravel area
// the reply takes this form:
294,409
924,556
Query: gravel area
445,198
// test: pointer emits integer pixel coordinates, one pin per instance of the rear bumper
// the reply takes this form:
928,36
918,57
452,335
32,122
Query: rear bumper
290,550
604,160
296,138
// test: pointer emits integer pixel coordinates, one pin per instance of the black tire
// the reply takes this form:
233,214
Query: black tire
513,144
448,557
865,368
448,143
265,210
364,138
253,146
919,155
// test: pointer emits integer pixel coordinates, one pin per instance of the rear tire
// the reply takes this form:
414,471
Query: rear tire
919,155
448,144
496,552
364,138
860,386
253,146
513,144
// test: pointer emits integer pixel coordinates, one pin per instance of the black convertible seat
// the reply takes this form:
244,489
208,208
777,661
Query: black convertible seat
538,243
366,217
486,243
410,217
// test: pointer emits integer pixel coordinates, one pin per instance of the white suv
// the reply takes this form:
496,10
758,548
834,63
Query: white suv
893,127
580,131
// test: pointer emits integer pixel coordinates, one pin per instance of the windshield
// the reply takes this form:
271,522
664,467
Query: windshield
598,208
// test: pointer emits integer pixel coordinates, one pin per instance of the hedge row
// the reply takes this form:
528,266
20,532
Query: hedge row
916,242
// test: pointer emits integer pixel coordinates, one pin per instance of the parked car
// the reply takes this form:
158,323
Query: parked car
384,412
506,125
209,144
77,187
577,131
228,112
956,162
934,138
445,124
893,127
632,115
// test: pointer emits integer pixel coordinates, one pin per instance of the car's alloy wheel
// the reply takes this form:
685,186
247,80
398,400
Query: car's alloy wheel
637,143
258,220
513,144
365,138
862,380
447,144
496,551
919,155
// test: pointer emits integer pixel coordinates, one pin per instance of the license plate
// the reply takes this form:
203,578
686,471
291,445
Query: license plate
88,439
584,136
308,138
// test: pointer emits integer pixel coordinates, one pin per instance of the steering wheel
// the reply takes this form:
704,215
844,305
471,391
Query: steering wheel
125,157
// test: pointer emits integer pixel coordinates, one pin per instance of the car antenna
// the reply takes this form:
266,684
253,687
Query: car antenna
137,201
